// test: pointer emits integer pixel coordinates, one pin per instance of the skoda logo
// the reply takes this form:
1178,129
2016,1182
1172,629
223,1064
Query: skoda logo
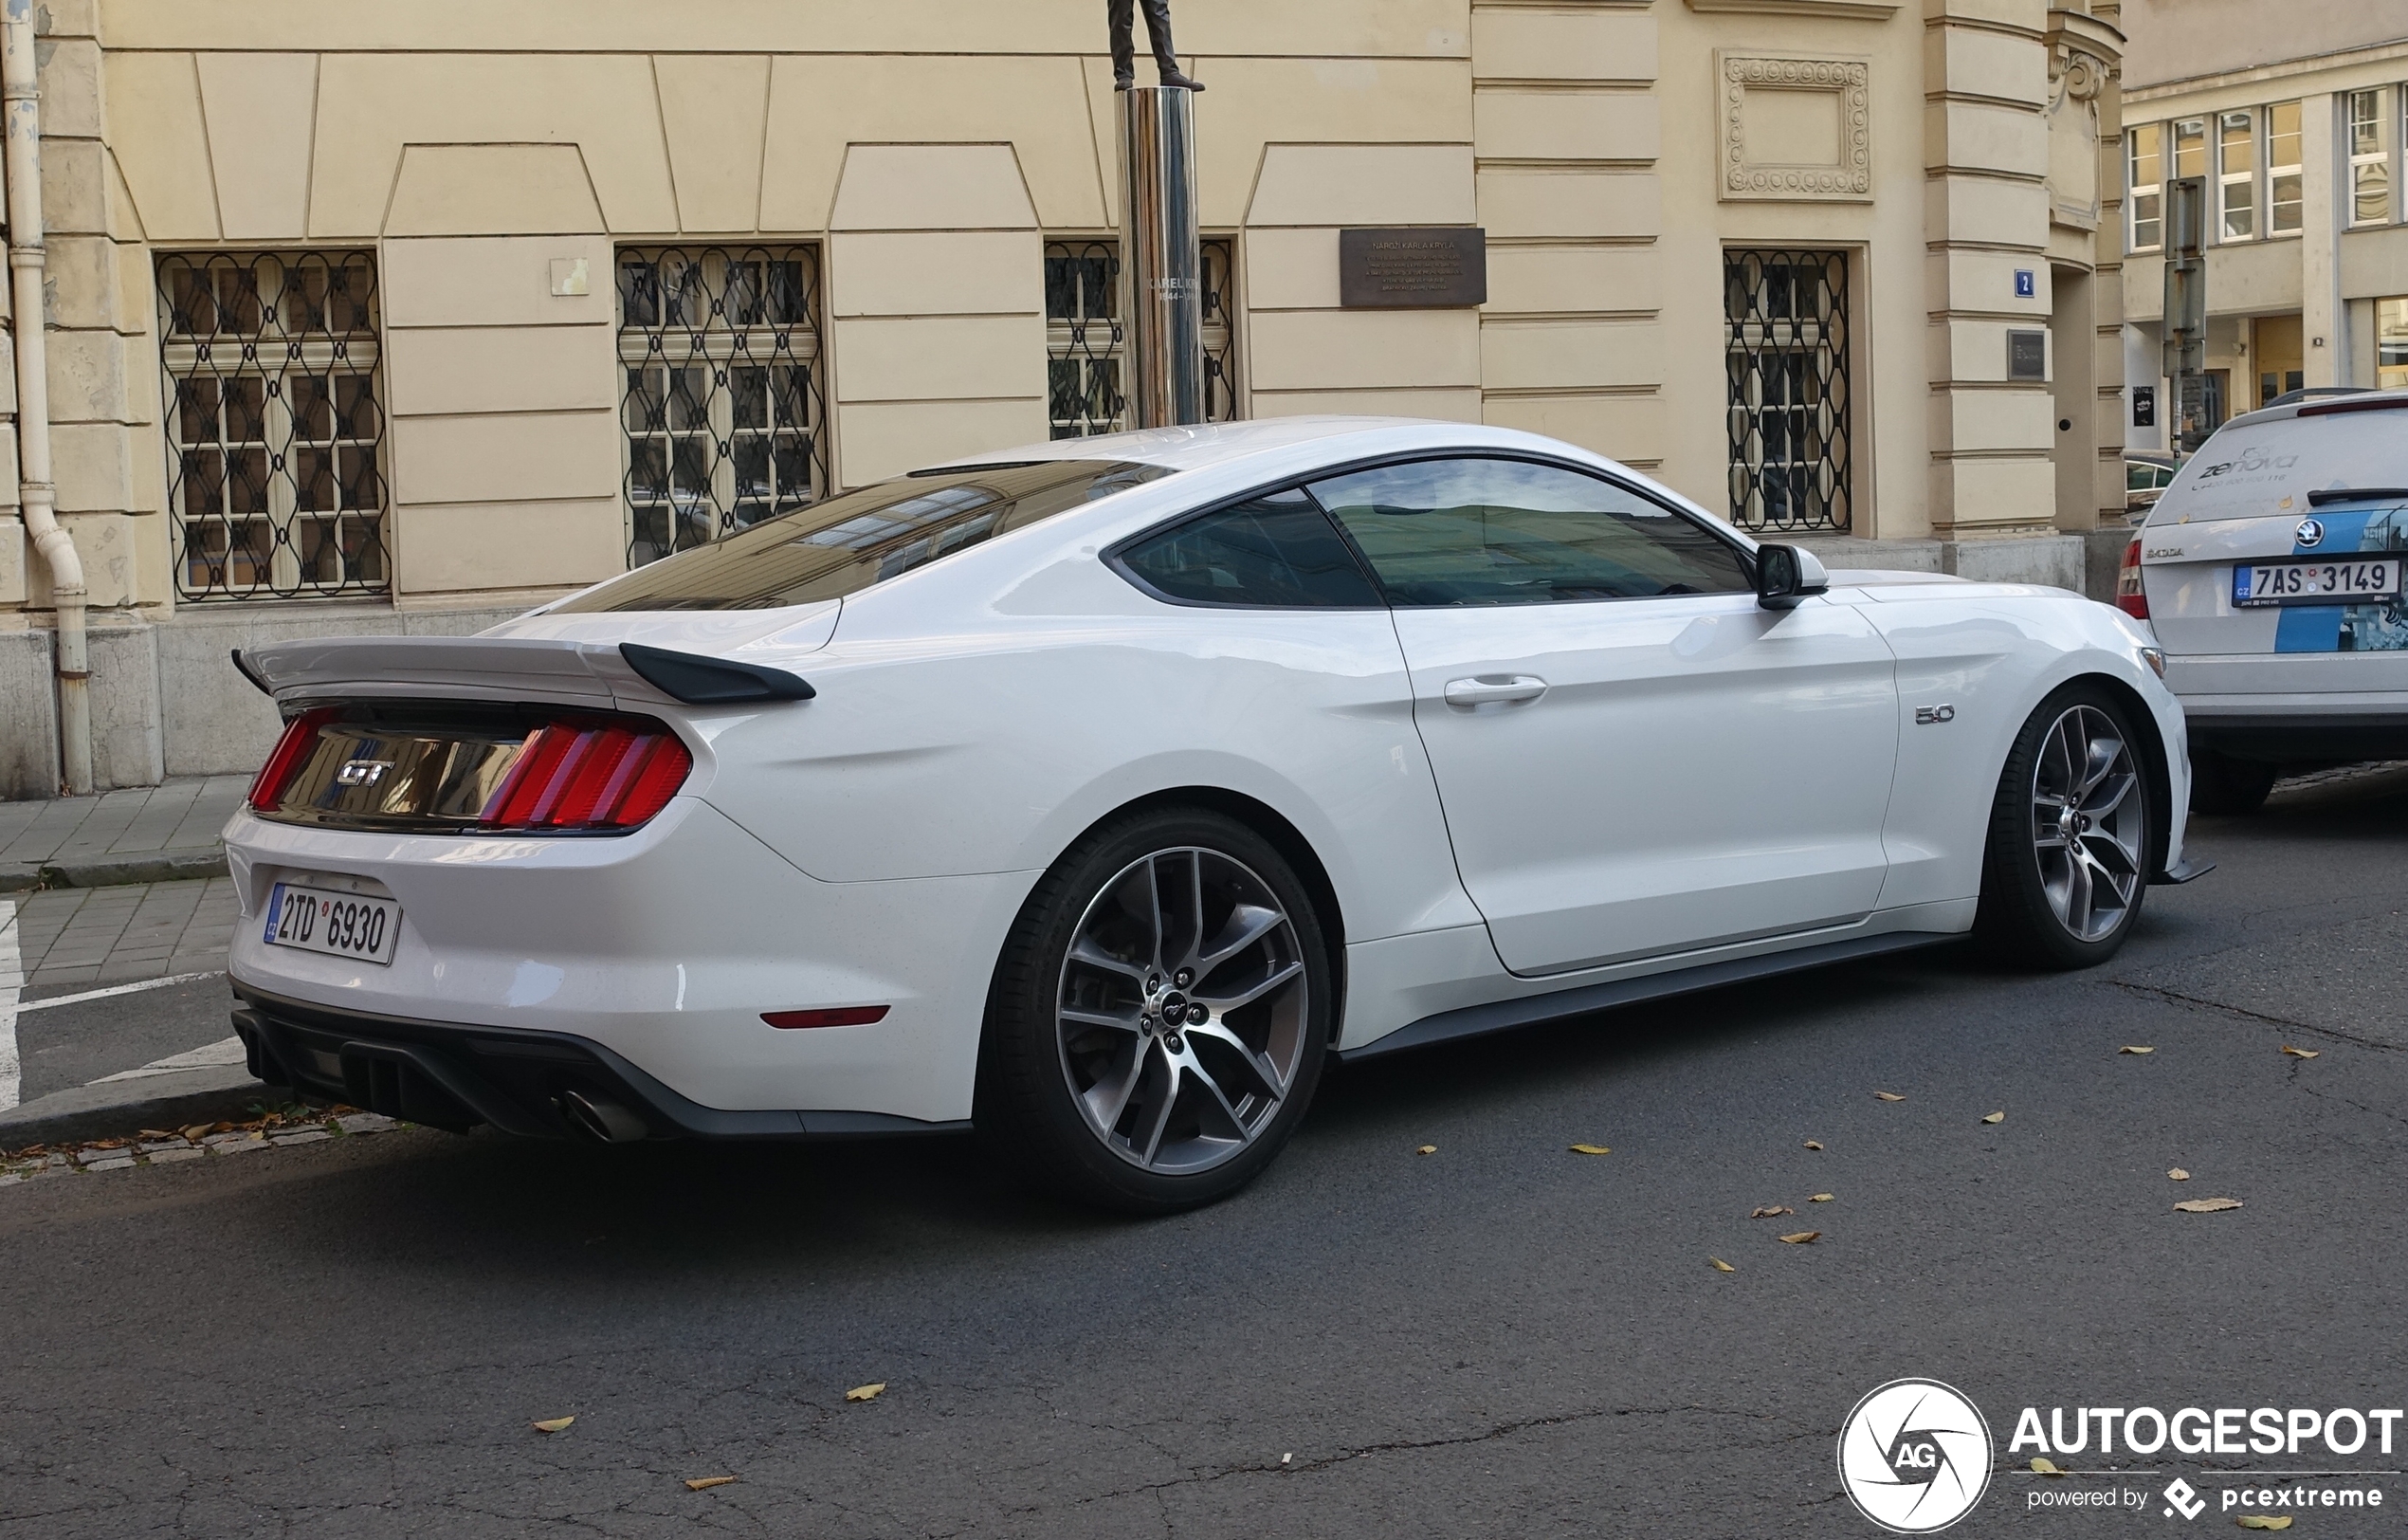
1914,1457
2310,532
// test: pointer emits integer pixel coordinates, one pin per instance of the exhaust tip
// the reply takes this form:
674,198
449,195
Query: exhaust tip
606,1121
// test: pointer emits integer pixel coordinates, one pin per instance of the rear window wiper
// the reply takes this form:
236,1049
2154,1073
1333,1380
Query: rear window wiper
2354,494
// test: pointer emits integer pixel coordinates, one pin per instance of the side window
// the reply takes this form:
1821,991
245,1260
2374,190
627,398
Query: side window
1473,531
1274,552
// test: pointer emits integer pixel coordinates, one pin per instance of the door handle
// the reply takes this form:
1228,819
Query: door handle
1489,688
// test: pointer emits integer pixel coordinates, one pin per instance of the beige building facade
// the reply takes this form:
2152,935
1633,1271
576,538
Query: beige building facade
2293,118
403,318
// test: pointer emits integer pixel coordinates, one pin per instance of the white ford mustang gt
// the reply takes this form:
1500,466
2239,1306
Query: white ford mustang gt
1101,790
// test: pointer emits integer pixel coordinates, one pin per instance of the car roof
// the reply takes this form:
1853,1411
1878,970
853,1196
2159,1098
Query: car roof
2319,405
1206,444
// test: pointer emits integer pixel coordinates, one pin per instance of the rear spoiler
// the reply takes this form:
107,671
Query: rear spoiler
602,674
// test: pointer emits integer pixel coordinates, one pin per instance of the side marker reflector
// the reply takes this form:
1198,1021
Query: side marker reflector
842,1016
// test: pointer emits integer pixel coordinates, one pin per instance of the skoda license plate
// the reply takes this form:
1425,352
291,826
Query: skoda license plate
2348,581
339,924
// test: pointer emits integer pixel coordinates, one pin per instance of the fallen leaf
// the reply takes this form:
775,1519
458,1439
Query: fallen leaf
2178,1174
1591,1150
1814,1144
198,1130
2135,1048
1802,1238
1887,1096
1427,1149
1820,1197
1721,1266
2207,1205
704,1483
2264,1521
1995,1117
162,1133
553,1425
866,1392
1769,1213
2046,1467
2301,1053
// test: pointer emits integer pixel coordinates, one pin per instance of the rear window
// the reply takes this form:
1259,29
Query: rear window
848,543
2248,470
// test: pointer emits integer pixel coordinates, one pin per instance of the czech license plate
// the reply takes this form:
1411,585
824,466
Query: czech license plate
2348,581
339,924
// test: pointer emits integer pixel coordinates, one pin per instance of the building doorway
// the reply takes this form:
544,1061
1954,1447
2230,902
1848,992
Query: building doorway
2274,347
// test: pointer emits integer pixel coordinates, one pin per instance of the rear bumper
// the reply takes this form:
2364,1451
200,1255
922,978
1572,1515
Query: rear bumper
534,1084
2299,737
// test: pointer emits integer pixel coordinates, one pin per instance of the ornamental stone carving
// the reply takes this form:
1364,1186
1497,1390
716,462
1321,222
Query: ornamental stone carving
1795,129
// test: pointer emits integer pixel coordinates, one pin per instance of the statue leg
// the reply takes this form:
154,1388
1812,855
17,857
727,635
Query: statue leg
1124,17
1166,57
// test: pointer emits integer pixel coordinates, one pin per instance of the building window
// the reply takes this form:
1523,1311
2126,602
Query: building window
275,428
2237,175
1083,340
2190,147
2145,180
2369,158
723,404
1785,347
2391,344
2283,159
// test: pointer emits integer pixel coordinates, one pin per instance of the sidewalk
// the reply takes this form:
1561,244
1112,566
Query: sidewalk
113,1012
144,834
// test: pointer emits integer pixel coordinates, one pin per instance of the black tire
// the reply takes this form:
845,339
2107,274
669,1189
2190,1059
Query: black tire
2225,786
2034,911
1176,1137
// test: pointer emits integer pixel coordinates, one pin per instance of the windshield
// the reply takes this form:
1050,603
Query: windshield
845,543
2256,470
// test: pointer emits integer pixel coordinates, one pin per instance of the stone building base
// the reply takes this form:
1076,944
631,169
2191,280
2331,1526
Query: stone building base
166,699
2057,560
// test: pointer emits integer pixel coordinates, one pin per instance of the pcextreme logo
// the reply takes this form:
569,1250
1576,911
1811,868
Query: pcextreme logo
1914,1456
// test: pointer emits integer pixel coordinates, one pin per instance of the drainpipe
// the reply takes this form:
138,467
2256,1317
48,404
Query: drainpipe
20,97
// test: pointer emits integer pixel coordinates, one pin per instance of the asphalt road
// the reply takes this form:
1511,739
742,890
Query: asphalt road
1502,1338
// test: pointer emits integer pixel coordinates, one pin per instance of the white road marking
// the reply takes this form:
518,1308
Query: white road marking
114,989
225,1050
11,984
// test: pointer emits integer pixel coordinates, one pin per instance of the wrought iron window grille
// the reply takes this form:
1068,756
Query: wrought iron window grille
1791,410
1084,337
276,484
724,405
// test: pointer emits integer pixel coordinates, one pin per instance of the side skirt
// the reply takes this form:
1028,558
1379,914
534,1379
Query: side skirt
1474,1020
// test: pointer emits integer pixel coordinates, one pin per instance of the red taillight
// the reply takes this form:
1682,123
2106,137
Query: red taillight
291,753
2129,597
576,777
845,1015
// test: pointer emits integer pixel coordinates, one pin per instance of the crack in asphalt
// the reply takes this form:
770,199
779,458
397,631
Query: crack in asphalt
2174,996
1160,1488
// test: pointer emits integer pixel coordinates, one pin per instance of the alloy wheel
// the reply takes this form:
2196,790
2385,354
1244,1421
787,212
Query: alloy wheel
2088,821
1182,1010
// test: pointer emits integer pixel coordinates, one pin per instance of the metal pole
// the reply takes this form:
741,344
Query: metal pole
2185,313
1161,264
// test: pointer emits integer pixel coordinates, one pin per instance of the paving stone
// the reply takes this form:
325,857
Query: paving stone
305,1137
364,1123
153,1146
184,1154
242,1146
116,1164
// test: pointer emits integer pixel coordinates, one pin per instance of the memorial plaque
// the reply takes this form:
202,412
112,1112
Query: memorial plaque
2027,354
1412,268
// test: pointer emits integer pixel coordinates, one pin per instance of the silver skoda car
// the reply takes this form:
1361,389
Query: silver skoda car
2270,571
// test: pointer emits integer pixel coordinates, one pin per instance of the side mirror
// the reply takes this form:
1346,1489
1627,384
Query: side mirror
1786,575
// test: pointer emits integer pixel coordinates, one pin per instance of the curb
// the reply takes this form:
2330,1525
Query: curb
113,870
107,1111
